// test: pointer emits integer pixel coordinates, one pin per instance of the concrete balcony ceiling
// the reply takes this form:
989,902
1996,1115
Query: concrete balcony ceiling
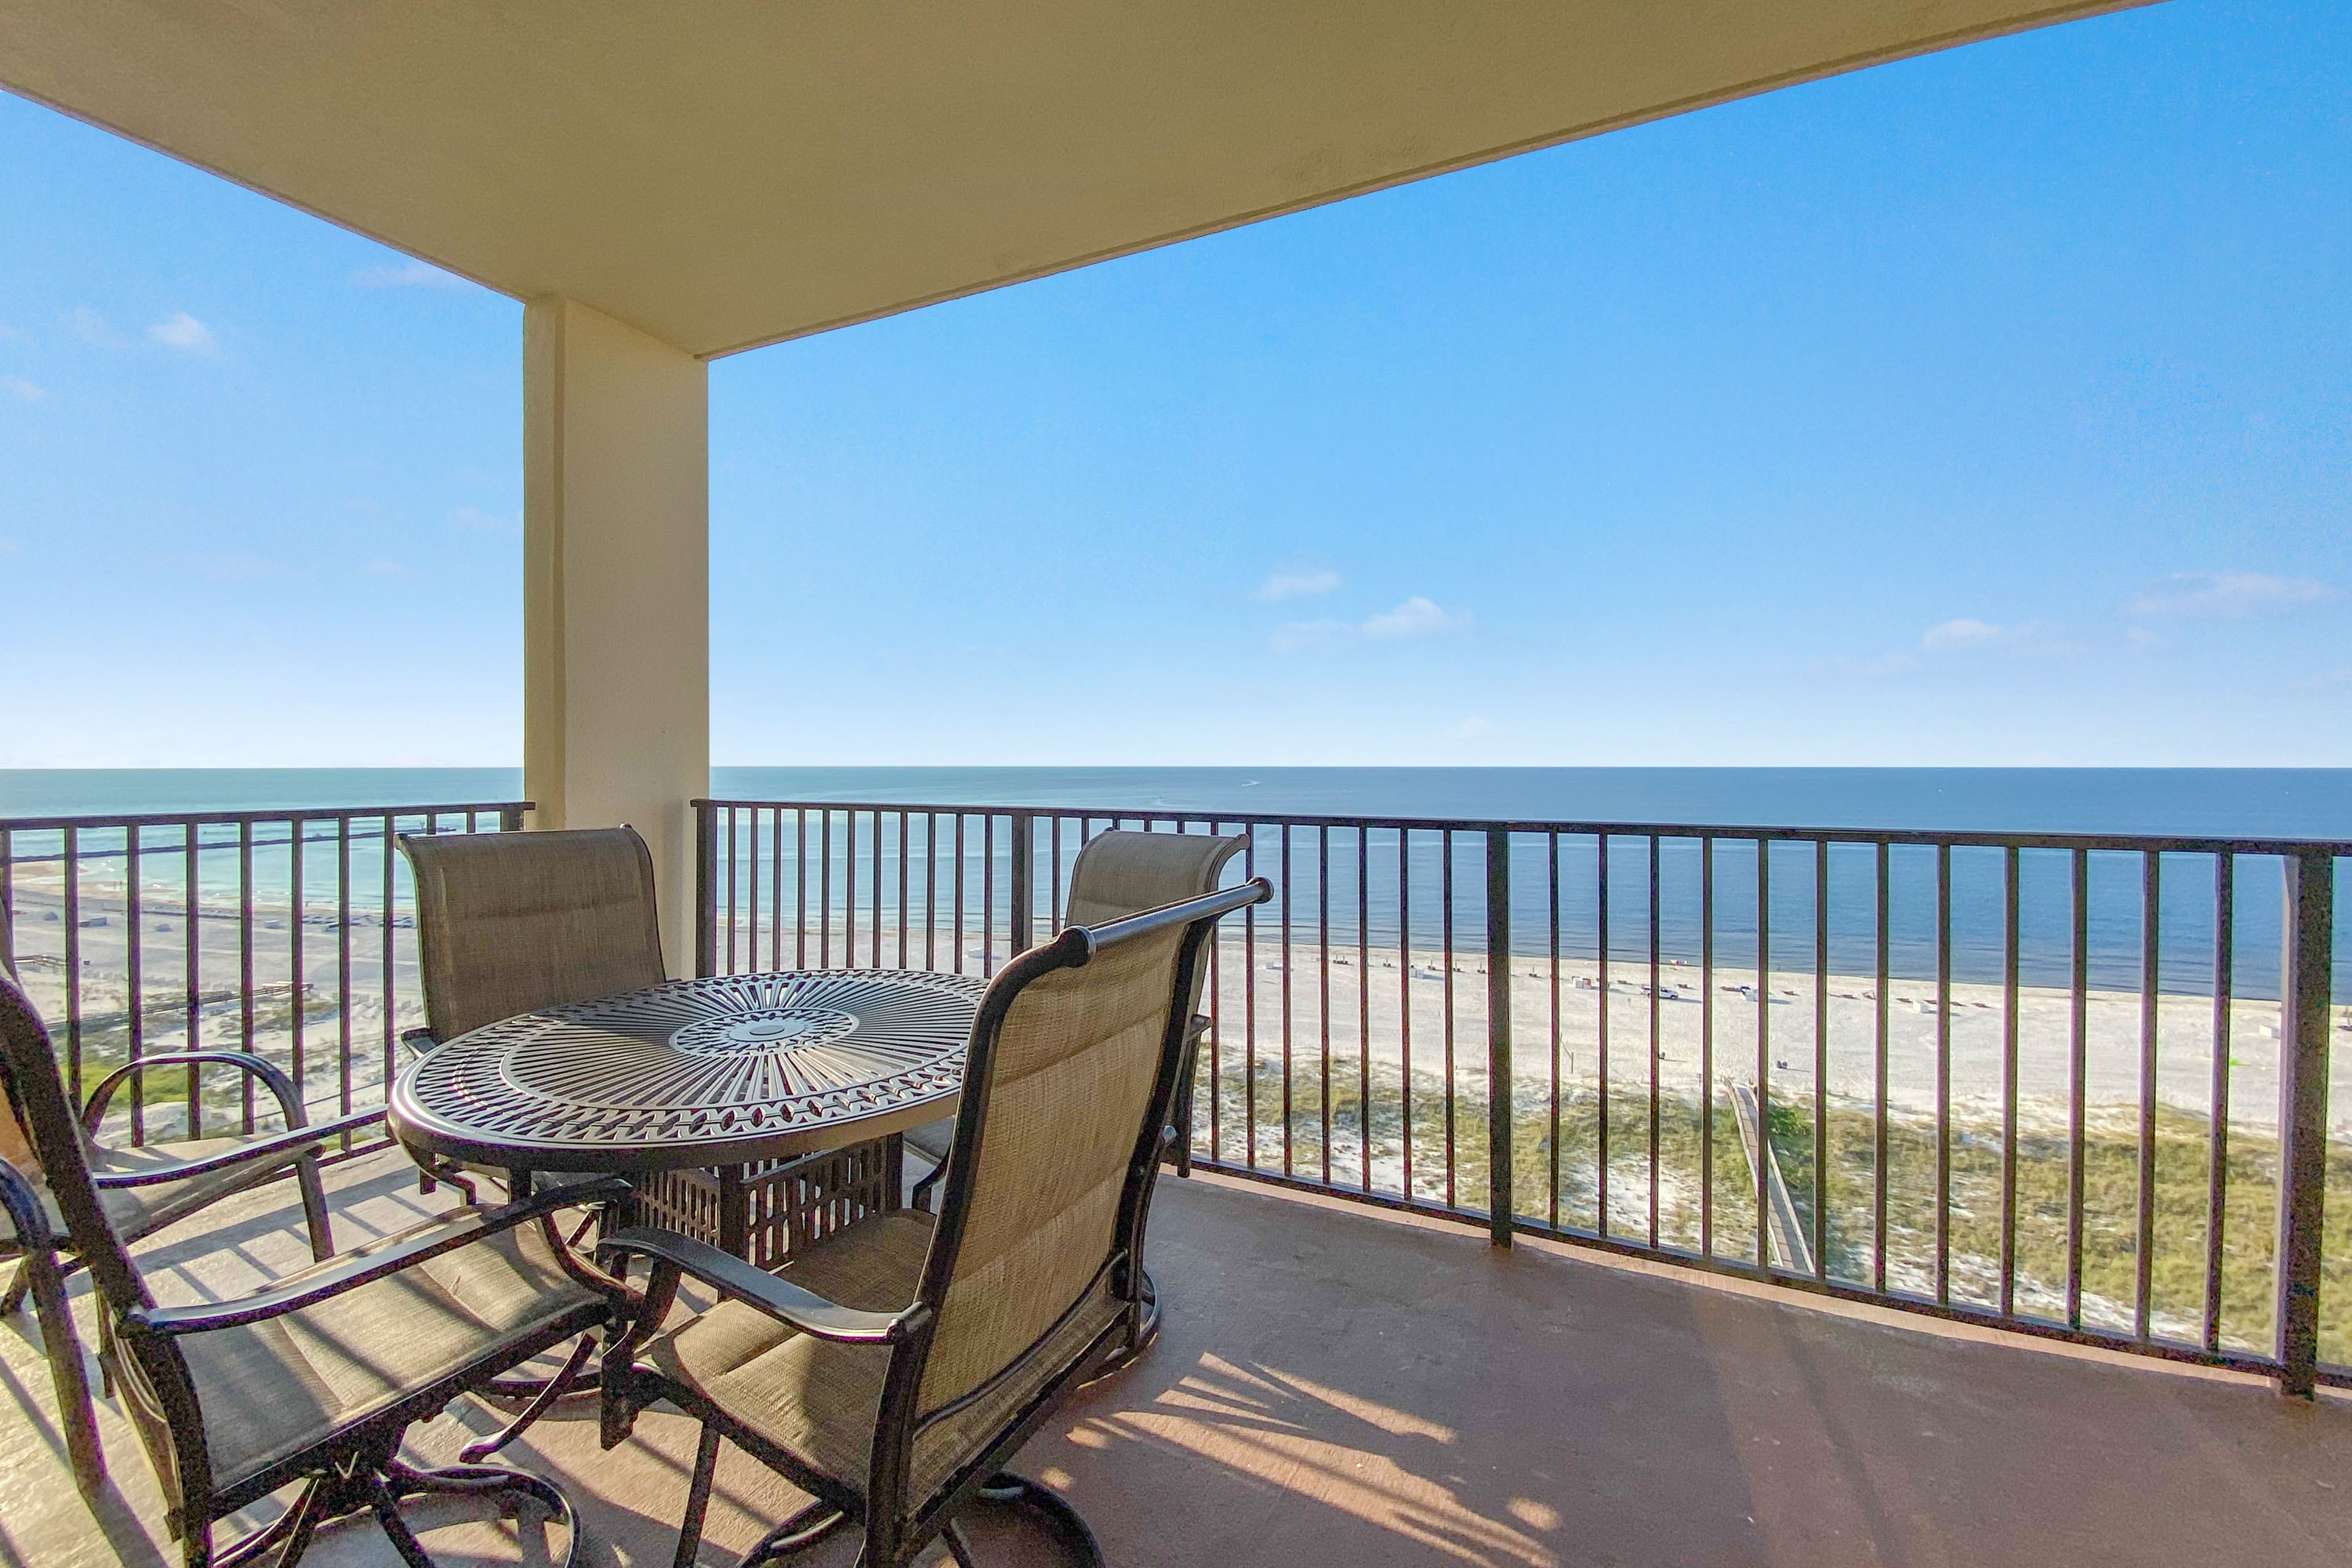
730,173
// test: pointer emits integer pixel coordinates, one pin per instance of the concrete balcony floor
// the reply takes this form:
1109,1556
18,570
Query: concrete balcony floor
1336,1386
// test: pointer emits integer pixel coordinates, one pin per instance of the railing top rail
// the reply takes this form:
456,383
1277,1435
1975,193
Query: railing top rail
2183,844
232,818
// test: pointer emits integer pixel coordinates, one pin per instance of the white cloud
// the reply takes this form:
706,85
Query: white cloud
94,329
1416,618
411,274
390,569
23,391
181,330
1297,582
2231,595
487,522
1962,634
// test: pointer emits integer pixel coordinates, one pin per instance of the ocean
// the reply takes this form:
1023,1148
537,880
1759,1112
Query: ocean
2251,803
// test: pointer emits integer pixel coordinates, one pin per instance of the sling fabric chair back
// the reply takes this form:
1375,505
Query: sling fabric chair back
1031,1271
1116,874
1121,873
511,922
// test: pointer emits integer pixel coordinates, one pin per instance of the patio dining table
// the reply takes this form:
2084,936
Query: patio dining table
705,1090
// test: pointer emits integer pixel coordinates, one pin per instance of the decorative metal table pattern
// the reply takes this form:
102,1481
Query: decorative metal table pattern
757,1111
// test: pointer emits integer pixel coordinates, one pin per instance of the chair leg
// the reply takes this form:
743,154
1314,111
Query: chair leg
397,1481
314,1208
698,1498
74,1413
801,1530
14,1296
562,1383
1050,1509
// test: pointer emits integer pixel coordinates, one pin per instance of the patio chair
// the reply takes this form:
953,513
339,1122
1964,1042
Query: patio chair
1124,873
894,1368
144,1188
314,1379
508,924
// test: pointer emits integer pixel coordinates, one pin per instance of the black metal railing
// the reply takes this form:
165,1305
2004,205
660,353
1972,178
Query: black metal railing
2075,1084
288,933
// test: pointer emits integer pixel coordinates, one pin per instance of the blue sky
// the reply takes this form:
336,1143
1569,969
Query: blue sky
1994,407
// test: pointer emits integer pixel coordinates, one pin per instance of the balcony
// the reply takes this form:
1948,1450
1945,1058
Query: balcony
2028,1331
1342,1384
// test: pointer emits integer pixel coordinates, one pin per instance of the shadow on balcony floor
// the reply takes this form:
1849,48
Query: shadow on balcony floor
1336,1386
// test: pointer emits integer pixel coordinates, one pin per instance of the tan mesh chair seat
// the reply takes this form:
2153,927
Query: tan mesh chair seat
275,1389
818,1399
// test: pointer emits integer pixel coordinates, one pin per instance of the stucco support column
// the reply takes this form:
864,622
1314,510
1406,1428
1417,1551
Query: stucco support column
616,616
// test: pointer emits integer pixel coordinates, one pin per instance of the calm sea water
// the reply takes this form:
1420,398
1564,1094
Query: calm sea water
2254,802
2285,803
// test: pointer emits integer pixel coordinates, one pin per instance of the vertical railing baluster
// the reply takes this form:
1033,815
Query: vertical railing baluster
1288,1126
2217,1190
2151,948
1024,883
1600,1056
298,901
343,962
873,946
1820,1227
1551,1124
705,889
1323,980
2011,944
905,832
135,984
192,973
1500,1083
1445,948
1878,1123
959,894
1764,1055
2305,985
1657,1047
1706,1048
1943,1073
1364,1001
385,981
245,963
1249,1006
69,847
2077,1062
1404,998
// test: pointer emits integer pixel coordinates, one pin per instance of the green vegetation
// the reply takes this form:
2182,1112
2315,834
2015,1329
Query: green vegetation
2182,1167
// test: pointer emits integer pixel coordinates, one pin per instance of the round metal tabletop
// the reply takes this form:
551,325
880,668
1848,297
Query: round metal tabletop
724,1070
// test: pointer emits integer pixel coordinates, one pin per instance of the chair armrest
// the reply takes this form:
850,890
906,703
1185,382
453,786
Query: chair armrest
289,1102
335,1279
293,1138
423,1042
787,1303
23,1202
